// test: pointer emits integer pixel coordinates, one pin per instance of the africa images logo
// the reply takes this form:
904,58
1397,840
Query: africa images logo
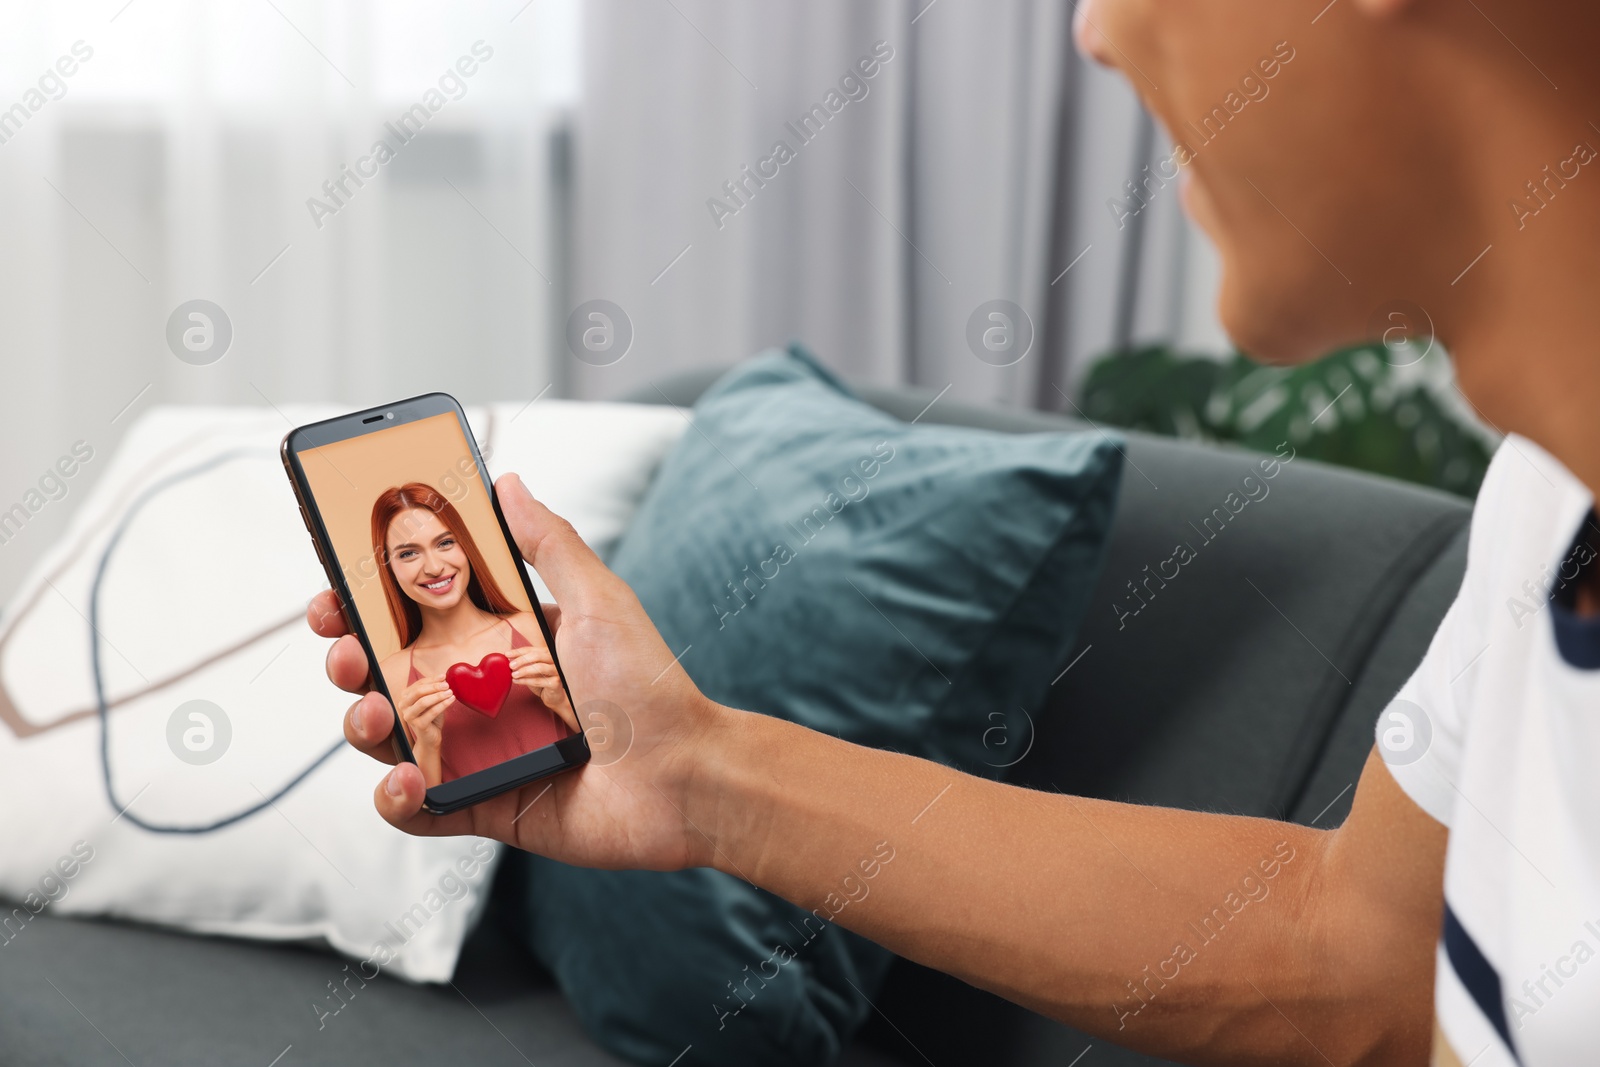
199,332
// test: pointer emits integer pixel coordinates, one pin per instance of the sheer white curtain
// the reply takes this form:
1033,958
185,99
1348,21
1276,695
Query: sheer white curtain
176,162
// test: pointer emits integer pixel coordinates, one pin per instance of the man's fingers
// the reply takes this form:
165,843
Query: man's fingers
398,798
367,726
347,665
568,566
324,616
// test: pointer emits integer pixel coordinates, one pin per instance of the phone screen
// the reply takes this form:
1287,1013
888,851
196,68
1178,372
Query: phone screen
440,594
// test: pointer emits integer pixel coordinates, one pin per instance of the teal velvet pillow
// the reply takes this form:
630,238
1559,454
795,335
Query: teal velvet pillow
901,586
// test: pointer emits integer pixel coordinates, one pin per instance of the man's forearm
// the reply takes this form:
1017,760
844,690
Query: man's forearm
1177,932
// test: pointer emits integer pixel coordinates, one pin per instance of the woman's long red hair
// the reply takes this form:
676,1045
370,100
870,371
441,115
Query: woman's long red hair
403,611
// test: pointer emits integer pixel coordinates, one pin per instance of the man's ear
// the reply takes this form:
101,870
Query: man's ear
1382,8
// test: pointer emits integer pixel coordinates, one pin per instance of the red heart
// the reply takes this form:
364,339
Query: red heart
482,688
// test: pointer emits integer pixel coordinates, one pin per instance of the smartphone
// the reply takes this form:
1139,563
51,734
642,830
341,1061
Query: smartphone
403,516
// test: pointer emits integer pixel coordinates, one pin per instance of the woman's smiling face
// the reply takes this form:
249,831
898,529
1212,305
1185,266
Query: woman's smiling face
428,562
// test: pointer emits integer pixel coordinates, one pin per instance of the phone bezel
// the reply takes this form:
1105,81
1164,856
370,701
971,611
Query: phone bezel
563,755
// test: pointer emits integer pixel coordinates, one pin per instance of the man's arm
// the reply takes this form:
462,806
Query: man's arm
1200,937
1208,938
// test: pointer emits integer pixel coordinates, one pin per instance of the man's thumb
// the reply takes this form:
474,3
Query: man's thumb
550,544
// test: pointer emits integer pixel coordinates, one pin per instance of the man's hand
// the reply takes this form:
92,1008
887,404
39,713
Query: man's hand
625,809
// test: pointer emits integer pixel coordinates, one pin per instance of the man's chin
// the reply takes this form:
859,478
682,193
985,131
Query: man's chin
1189,196
1272,328
1195,199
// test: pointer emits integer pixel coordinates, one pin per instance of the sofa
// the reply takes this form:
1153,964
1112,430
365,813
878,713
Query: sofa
1245,679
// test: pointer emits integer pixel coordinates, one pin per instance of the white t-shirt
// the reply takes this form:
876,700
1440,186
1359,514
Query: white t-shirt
1497,735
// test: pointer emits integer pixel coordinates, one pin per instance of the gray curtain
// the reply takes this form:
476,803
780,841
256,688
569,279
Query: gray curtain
974,165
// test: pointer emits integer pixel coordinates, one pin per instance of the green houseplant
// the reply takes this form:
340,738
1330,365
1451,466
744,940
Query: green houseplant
1372,408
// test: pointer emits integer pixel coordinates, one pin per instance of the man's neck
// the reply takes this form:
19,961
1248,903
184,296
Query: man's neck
1527,347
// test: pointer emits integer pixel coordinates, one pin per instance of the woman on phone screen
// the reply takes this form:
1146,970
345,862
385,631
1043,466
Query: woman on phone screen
447,609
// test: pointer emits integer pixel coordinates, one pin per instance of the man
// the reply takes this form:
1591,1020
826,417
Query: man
1431,151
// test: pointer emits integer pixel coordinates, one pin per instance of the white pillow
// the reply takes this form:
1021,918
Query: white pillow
202,599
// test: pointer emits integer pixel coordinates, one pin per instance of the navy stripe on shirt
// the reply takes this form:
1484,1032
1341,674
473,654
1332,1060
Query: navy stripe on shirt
1477,974
1577,636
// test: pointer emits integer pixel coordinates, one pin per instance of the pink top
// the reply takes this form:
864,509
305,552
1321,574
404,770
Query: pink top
471,741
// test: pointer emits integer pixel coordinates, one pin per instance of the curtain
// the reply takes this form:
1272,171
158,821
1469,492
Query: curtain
184,158
977,164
